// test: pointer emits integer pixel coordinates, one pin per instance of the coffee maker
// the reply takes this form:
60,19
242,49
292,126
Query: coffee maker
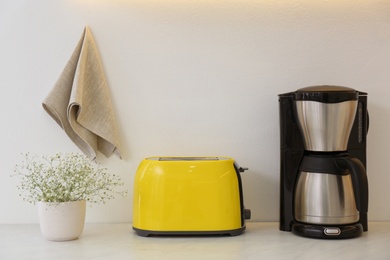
323,181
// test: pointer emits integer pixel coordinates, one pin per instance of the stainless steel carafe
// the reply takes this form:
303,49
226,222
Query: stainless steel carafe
330,190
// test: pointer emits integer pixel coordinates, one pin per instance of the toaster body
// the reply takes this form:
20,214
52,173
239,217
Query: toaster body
188,195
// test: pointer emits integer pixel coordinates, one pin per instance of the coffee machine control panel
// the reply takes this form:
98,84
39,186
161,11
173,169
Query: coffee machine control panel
333,231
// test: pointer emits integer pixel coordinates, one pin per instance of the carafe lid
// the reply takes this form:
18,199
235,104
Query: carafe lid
326,94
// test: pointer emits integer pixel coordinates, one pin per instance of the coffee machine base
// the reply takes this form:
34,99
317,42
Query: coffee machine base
327,232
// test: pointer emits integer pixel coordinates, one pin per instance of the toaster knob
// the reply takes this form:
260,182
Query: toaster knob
247,213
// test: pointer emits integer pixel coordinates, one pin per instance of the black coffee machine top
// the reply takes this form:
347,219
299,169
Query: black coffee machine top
323,127
326,94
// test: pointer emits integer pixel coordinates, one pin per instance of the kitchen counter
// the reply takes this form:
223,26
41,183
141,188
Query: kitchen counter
260,241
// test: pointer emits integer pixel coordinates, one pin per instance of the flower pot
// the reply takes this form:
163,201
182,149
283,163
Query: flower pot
62,221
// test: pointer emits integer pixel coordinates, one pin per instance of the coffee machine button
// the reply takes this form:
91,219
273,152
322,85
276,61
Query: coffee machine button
332,231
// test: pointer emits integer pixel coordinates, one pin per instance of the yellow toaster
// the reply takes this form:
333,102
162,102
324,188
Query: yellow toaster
188,196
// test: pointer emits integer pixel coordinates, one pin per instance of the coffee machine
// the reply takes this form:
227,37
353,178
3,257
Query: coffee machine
323,181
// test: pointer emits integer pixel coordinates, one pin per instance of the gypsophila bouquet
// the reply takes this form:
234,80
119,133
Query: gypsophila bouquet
65,177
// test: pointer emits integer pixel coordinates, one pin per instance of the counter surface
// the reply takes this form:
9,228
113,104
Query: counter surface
261,240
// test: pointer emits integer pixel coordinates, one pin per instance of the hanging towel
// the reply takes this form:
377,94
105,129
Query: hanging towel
80,102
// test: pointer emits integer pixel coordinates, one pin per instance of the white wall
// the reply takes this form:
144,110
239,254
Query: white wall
192,77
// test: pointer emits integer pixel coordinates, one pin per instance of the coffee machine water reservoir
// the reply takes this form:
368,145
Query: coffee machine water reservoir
324,187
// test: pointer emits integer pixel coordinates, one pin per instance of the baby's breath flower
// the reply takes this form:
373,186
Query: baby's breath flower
65,177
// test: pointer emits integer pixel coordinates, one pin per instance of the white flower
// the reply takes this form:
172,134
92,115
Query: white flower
65,177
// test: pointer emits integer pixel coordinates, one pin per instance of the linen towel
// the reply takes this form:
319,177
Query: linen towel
80,102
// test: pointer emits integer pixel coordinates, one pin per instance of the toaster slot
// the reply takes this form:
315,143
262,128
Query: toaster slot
188,158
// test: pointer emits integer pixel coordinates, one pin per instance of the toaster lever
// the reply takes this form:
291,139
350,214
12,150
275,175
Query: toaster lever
242,169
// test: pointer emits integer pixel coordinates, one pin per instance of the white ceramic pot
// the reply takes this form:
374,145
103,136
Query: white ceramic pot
62,221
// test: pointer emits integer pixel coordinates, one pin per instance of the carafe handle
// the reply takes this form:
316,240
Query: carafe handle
359,180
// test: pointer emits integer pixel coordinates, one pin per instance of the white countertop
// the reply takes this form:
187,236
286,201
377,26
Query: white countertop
259,241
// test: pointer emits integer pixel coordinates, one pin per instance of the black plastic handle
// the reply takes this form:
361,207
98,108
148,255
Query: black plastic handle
243,169
359,180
